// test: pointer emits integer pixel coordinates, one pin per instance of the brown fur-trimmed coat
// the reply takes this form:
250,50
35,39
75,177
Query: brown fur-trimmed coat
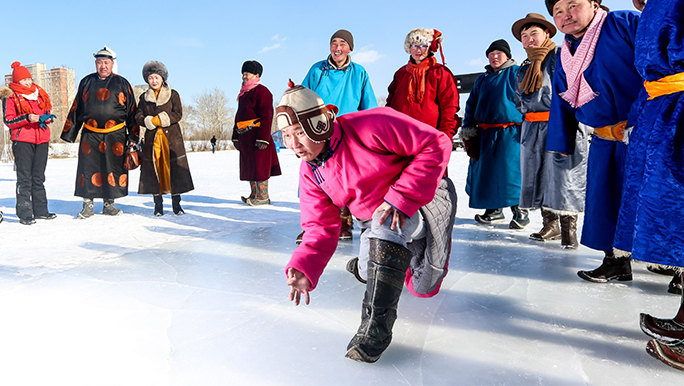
167,105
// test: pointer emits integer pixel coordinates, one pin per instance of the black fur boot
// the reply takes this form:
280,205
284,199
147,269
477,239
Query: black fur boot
612,268
386,272
158,205
175,203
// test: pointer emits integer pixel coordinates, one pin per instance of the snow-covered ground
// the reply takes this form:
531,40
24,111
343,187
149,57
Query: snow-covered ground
201,299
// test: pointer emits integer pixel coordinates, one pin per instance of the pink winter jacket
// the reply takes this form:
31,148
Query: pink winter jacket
377,155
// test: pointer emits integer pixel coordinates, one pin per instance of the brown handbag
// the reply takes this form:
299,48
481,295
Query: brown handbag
132,157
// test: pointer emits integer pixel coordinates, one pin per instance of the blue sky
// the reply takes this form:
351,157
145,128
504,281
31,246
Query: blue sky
204,43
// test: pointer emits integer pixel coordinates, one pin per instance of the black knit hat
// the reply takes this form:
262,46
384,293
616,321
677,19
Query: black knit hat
500,45
154,67
346,36
253,67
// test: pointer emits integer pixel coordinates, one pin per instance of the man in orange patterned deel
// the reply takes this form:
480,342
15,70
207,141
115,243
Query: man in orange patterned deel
105,108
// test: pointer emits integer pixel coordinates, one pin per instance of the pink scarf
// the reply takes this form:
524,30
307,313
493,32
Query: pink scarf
248,85
579,91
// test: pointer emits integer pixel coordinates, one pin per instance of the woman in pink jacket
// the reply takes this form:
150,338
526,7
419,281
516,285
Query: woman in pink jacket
27,112
384,166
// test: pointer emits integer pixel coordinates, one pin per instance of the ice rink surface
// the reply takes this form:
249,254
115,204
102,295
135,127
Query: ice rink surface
201,299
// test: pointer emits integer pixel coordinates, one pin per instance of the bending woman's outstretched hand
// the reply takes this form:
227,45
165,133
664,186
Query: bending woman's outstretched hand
398,218
300,285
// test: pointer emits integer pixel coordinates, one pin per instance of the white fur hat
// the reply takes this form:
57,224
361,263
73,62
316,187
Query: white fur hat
422,36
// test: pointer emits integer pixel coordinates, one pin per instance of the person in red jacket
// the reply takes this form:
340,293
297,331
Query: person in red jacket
424,89
27,113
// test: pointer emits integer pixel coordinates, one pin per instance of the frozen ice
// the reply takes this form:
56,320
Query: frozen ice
201,299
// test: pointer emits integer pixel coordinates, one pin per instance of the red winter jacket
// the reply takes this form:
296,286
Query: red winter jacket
440,103
21,129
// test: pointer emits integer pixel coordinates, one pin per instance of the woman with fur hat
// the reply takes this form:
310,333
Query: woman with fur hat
27,112
550,181
164,167
424,89
252,134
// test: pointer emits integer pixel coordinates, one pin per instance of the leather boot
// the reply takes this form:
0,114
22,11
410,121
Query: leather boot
175,204
260,194
252,195
675,286
520,218
87,210
550,229
490,216
670,354
664,330
158,205
386,273
612,268
109,209
347,224
568,225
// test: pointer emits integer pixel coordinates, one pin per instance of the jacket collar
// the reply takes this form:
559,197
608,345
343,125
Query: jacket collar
163,98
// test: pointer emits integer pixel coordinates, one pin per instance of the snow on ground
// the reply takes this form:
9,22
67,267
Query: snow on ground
201,299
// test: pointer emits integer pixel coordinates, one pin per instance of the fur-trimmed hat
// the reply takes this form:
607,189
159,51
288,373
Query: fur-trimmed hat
253,67
19,72
344,35
428,37
303,106
154,67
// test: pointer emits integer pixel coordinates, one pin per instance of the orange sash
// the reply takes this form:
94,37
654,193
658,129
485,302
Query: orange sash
664,86
542,116
486,126
105,131
614,132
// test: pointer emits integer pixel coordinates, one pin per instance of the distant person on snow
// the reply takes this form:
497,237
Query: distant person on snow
213,144
164,166
252,134
385,166
346,85
27,112
104,107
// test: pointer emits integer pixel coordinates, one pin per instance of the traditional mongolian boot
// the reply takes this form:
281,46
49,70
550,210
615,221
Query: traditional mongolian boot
109,209
261,194
347,224
612,268
386,273
175,203
568,225
665,330
87,210
670,354
520,218
253,186
490,216
661,269
158,205
550,230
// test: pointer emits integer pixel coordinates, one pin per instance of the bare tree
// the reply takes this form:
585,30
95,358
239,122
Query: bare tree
211,116
382,101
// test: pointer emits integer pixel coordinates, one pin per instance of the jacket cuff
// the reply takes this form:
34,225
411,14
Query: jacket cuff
165,120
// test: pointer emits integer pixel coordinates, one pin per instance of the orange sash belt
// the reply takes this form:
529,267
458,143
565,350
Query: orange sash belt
541,116
614,132
105,131
486,126
245,126
664,86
